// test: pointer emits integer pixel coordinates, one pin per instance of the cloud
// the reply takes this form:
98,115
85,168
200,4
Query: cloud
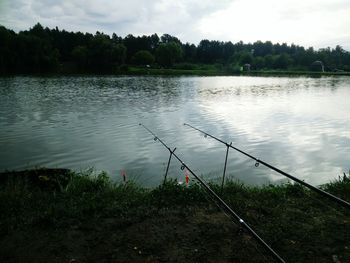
318,23
122,17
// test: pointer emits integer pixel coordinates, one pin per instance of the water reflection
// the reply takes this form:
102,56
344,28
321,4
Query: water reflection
301,125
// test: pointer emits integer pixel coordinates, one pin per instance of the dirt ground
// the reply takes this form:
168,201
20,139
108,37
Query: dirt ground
167,236
89,219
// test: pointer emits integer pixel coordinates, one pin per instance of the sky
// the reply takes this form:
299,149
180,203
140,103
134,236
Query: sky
317,23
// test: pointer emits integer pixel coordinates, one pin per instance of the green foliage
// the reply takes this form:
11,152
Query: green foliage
143,57
168,53
44,50
173,194
269,61
259,62
282,61
104,54
80,55
245,58
166,38
210,51
339,187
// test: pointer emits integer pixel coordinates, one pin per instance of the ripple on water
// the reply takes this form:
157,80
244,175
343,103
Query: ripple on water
299,124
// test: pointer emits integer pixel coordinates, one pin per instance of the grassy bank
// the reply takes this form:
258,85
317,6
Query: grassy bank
62,216
196,70
216,70
295,73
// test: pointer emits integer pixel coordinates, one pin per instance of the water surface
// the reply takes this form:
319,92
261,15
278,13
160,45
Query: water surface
301,125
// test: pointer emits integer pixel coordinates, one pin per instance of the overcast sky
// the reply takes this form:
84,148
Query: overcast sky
318,23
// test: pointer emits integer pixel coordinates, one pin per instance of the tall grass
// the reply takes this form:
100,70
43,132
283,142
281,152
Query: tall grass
85,194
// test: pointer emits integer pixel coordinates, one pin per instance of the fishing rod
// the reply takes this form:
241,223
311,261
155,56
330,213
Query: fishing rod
222,202
258,161
170,151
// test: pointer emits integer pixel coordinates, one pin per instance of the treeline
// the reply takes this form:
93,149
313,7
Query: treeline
44,50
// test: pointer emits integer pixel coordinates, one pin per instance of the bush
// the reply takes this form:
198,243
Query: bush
142,57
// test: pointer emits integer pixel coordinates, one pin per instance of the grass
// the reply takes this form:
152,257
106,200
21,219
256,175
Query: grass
198,71
295,72
59,215
220,70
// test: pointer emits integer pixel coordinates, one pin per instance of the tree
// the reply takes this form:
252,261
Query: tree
168,53
116,39
142,57
210,51
104,54
80,55
134,44
154,41
227,51
7,54
38,31
189,52
259,63
166,38
246,58
282,61
118,53
40,50
262,49
269,59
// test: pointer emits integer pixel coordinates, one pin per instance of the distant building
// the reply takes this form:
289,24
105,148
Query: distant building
317,66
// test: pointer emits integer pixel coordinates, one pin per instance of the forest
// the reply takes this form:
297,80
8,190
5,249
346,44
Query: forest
44,50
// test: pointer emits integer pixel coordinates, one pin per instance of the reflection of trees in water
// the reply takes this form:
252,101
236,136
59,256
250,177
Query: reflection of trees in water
10,105
270,86
51,97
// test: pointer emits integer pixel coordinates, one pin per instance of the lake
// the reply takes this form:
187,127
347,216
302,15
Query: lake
299,124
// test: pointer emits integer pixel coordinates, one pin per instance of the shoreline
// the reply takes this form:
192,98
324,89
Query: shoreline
135,71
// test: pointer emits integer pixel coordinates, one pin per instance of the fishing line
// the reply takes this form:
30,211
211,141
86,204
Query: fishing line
223,203
259,161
